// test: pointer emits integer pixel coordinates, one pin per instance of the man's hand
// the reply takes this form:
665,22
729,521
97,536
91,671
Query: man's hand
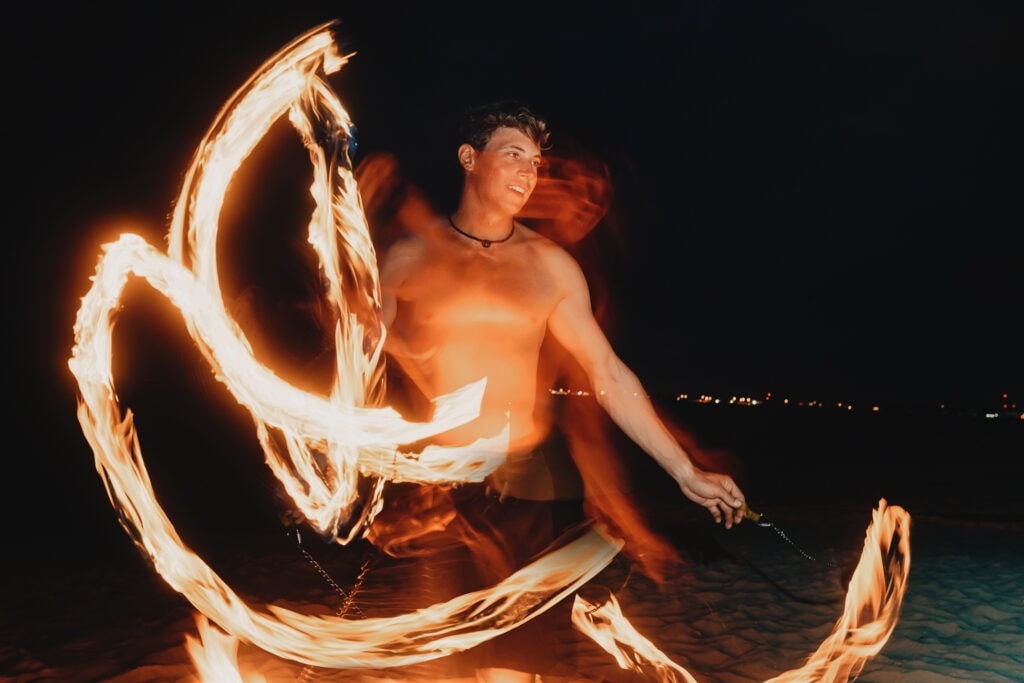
716,492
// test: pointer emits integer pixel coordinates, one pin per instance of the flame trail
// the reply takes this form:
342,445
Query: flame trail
291,83
608,627
873,603
214,654
358,438
331,442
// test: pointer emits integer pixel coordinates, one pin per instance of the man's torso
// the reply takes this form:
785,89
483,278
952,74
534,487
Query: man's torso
467,313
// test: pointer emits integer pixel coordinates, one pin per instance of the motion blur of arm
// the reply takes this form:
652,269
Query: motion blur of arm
620,394
398,210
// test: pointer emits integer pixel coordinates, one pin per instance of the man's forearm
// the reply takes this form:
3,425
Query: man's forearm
622,396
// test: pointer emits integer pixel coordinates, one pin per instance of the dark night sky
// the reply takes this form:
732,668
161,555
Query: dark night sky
814,198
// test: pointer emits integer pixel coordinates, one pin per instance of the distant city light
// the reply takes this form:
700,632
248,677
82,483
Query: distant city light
1000,406
561,391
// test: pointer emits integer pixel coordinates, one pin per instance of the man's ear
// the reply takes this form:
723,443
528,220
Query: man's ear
467,156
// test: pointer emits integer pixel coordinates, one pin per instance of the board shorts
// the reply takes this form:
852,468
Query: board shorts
471,536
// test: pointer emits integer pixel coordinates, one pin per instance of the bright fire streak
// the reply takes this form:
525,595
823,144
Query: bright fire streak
357,439
214,654
328,495
329,642
609,628
873,602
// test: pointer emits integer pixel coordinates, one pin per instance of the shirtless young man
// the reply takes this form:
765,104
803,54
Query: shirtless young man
472,294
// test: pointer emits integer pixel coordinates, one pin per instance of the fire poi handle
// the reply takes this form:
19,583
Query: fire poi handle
750,514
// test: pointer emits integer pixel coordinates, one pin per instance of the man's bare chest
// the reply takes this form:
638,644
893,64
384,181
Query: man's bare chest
461,293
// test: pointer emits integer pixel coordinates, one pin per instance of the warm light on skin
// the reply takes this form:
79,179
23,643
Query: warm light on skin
503,174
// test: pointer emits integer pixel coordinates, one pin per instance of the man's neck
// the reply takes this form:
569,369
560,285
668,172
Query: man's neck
482,226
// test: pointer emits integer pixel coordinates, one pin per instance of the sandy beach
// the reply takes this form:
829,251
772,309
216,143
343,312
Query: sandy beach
747,605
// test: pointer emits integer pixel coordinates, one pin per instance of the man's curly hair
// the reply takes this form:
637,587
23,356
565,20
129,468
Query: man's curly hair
479,123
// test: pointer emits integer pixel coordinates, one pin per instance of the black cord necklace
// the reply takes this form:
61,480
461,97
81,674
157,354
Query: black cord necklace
487,243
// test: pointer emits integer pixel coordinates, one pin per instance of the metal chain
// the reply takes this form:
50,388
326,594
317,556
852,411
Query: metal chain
347,597
759,519
309,672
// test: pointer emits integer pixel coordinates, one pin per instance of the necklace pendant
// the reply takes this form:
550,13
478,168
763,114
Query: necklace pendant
486,243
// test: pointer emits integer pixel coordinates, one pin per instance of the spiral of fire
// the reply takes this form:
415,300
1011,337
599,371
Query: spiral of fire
350,431
357,437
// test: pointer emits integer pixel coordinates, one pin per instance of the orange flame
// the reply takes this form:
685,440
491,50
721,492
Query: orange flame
357,437
607,626
214,654
873,603
353,440
349,430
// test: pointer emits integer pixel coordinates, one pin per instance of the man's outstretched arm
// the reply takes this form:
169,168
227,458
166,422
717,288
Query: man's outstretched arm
619,391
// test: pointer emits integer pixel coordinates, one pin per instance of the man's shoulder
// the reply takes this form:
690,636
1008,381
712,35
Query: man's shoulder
543,244
412,242
407,242
552,258
402,257
548,248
